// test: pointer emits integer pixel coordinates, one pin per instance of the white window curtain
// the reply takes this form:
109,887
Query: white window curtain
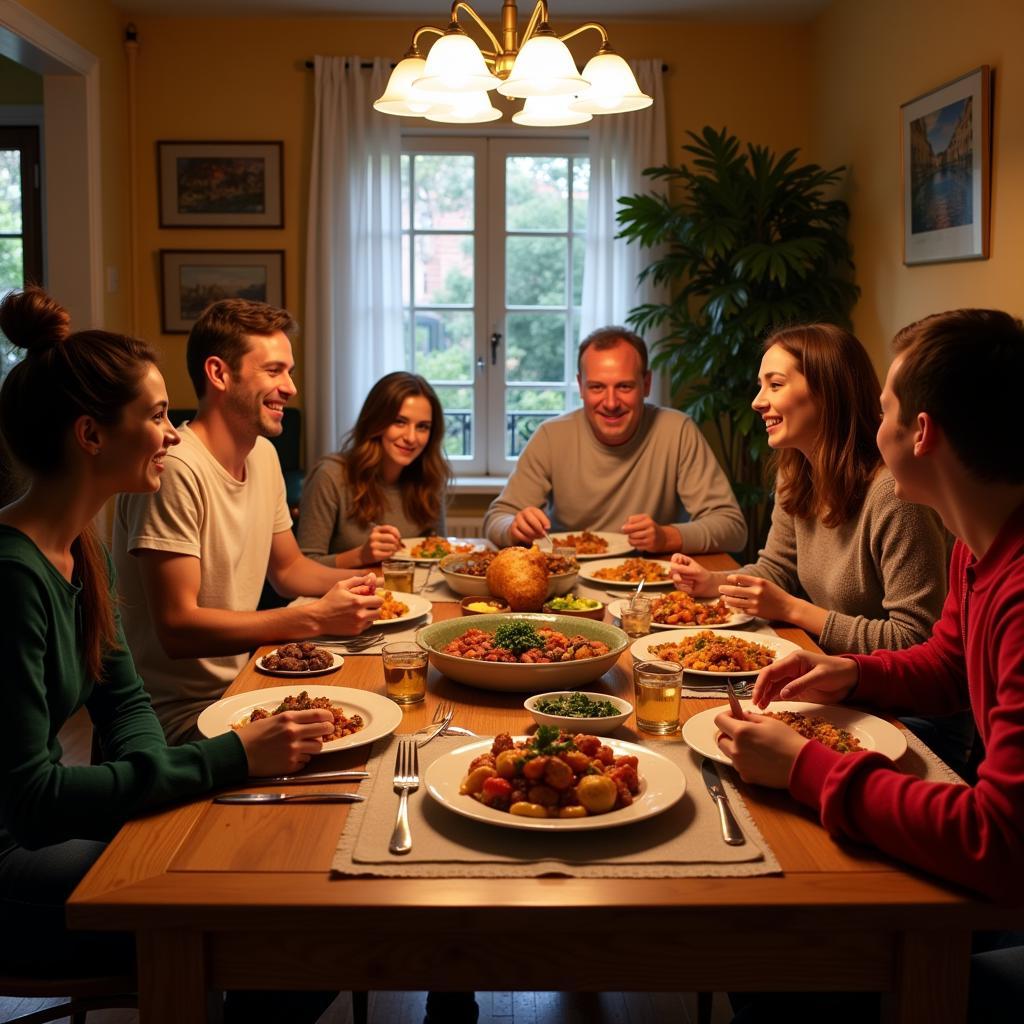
621,146
353,304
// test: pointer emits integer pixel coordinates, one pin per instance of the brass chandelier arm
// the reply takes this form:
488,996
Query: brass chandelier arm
596,26
539,17
461,5
414,49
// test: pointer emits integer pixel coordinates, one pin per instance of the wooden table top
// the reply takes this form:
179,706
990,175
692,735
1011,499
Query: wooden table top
221,858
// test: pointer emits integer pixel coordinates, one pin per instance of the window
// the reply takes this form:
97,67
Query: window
493,247
21,258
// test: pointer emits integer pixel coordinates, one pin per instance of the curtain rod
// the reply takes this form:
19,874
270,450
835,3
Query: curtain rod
367,65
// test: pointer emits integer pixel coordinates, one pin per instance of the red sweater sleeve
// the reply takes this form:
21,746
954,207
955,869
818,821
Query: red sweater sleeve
970,835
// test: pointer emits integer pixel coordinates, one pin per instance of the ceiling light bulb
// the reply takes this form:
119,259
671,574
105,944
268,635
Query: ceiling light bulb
455,64
403,98
469,108
613,87
549,112
544,67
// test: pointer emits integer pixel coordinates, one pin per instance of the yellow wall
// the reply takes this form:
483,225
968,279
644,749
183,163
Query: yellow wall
872,55
229,78
97,27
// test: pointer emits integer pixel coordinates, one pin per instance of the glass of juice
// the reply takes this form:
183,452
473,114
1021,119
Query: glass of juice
399,576
636,616
405,672
657,686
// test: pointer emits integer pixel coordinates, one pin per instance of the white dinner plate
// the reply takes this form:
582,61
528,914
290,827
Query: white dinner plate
336,662
618,543
588,572
661,785
380,715
408,543
735,618
418,607
641,649
874,733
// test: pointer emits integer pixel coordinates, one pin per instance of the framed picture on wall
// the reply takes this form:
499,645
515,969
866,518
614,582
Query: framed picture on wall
220,184
190,279
946,153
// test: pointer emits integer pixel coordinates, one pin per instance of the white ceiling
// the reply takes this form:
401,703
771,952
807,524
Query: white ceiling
764,10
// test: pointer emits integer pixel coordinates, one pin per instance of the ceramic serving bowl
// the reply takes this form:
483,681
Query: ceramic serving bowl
602,726
515,677
490,605
596,613
476,586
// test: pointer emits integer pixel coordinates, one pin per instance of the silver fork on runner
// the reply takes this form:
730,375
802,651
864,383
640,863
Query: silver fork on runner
407,780
443,714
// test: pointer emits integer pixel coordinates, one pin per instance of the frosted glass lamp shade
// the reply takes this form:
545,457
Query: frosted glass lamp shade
469,108
613,87
455,64
549,112
544,67
403,98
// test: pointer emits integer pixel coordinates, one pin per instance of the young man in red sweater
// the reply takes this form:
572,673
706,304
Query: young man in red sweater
950,417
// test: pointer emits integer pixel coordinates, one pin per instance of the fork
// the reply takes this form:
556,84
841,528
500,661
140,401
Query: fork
357,643
407,780
443,714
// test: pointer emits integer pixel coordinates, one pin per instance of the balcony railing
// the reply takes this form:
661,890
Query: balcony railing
519,428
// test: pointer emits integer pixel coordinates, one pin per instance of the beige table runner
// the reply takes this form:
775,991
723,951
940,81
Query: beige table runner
684,841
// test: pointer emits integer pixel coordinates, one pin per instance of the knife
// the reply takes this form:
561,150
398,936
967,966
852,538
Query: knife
294,780
731,831
280,798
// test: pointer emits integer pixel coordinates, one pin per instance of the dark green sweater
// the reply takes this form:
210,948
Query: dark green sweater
43,682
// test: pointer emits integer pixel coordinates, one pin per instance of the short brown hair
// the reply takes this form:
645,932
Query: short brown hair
831,485
221,331
964,369
608,337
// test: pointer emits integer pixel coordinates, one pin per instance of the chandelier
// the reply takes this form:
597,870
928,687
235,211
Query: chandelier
452,83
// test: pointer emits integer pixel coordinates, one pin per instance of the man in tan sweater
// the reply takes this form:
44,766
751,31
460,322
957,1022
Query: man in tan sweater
619,464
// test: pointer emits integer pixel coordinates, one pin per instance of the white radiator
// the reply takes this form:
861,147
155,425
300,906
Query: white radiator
465,526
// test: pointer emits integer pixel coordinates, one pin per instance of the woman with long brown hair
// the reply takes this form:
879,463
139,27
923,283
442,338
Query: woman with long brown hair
387,482
85,416
845,559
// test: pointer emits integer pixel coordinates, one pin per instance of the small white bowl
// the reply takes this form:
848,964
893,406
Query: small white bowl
594,726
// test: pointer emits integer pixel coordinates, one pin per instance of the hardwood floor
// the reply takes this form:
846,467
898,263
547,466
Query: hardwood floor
407,1007
495,1008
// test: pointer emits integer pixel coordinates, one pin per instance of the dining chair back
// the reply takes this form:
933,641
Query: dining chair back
81,994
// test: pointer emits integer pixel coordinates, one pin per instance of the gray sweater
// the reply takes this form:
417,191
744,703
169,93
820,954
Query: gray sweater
881,574
326,525
665,470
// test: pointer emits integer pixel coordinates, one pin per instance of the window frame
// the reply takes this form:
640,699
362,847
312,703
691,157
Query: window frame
490,150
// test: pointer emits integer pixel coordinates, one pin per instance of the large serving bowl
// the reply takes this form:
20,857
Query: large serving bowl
476,586
519,678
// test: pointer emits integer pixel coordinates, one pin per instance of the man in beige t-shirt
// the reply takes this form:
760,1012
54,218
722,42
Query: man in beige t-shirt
192,557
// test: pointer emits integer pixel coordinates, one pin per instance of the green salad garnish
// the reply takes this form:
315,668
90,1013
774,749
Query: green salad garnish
517,637
577,705
573,604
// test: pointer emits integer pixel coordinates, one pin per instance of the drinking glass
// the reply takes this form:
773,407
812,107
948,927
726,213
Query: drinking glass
636,617
657,687
405,672
399,576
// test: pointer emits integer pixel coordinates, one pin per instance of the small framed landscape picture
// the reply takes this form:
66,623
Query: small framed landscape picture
190,279
946,157
220,184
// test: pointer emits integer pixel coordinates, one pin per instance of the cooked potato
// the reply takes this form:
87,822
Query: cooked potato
597,793
520,576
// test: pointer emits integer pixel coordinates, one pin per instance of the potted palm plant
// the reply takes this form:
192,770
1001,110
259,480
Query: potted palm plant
745,241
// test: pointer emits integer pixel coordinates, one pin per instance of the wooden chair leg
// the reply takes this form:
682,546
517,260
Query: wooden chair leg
704,1004
360,1007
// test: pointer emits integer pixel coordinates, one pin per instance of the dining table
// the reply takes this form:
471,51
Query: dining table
224,897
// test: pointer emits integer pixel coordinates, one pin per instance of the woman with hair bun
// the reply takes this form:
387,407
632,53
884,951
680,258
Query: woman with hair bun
387,482
85,416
